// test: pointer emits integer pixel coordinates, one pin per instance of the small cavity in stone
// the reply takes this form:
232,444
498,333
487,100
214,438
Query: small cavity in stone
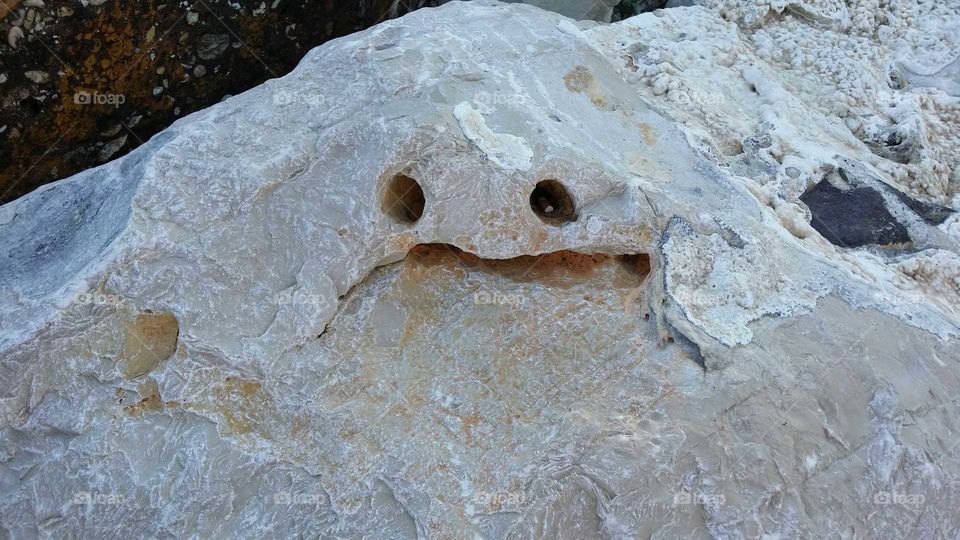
551,201
403,199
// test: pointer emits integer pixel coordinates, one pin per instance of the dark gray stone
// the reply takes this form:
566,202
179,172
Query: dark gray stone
853,217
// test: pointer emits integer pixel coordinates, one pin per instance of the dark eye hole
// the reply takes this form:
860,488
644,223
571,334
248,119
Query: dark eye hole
551,201
403,199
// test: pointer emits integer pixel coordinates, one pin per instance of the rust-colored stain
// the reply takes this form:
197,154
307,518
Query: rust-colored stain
526,268
582,81
579,79
649,136
240,402
151,400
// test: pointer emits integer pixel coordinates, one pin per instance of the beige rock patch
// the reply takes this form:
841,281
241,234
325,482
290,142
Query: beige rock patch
240,402
582,81
150,401
148,341
649,136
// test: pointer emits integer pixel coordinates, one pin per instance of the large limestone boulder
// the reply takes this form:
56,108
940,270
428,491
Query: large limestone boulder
485,272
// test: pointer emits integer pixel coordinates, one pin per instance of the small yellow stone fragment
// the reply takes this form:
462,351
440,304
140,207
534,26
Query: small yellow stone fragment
148,341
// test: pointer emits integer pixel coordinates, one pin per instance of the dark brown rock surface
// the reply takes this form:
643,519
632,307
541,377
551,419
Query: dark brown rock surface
85,82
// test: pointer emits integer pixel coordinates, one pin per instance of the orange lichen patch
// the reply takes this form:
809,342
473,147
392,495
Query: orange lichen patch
649,136
467,424
240,402
147,341
579,79
582,81
151,400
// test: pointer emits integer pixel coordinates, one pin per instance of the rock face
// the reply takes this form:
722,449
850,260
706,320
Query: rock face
484,271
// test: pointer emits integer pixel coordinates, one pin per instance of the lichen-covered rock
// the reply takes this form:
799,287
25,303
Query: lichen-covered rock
475,273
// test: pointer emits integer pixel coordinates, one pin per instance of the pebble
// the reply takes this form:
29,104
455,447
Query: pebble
38,77
112,130
14,36
112,147
212,45
30,19
192,17
200,70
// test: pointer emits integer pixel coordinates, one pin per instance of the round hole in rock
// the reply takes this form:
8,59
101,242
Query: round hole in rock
403,199
552,202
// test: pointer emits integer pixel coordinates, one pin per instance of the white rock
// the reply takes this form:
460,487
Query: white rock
14,37
236,329
38,77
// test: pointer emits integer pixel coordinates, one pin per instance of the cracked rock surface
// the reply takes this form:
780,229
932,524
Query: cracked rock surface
351,319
